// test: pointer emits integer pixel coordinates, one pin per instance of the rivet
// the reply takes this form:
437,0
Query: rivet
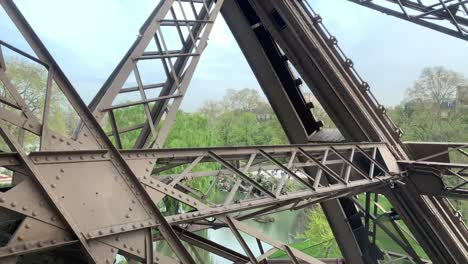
100,232
147,170
81,158
130,209
13,204
111,230
134,226
39,244
122,228
62,170
53,185
53,136
34,214
138,251
2,200
112,250
61,139
142,225
57,177
27,226
131,248
68,143
25,208
25,247
53,241
125,245
127,216
53,218
20,238
12,250
85,134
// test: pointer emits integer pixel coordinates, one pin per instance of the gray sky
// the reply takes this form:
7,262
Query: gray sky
89,37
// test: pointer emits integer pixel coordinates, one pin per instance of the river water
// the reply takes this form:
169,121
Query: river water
286,226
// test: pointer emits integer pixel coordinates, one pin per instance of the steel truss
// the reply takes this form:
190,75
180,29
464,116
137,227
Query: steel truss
447,16
80,198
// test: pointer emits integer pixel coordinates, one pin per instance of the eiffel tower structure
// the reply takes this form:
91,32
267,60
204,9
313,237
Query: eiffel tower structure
80,197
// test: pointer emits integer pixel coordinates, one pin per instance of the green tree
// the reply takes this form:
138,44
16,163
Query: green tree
29,80
319,234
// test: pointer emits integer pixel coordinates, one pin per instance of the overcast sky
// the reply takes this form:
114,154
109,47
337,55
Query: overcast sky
89,37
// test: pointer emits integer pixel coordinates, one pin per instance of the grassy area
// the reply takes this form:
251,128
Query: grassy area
316,250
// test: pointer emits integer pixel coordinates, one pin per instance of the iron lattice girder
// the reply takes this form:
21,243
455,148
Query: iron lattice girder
447,16
62,167
433,159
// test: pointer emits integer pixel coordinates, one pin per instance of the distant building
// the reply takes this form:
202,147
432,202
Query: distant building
462,98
